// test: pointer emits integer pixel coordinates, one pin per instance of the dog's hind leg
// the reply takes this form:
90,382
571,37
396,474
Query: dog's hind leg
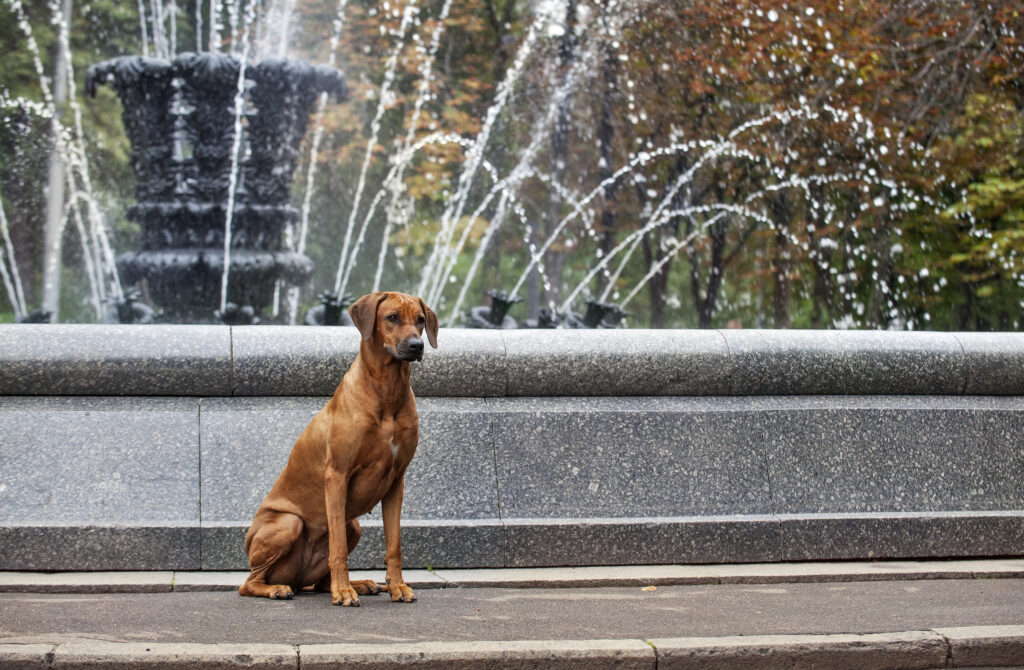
274,539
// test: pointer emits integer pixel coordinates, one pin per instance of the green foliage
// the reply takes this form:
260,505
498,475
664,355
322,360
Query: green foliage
892,196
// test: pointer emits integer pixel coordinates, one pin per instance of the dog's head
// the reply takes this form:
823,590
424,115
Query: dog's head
397,321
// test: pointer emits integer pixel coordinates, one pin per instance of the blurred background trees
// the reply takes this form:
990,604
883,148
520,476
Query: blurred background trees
708,164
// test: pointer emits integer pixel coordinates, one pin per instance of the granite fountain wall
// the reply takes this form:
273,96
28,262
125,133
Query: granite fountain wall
150,447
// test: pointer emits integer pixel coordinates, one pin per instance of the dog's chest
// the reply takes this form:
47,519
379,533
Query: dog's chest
383,458
388,448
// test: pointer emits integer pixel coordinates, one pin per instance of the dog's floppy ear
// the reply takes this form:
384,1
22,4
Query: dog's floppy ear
431,326
364,312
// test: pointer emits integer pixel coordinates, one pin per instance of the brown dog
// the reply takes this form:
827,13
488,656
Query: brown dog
352,455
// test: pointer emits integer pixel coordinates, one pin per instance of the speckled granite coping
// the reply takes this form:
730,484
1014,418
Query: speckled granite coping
149,447
305,361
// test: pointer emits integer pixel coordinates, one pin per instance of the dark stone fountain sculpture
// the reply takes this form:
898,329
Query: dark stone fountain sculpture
495,316
38,315
130,309
546,318
179,116
601,315
598,315
332,311
235,315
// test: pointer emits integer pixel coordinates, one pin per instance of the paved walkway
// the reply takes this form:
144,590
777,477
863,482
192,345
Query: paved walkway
861,615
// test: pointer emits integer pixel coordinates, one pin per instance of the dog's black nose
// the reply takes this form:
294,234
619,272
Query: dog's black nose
415,345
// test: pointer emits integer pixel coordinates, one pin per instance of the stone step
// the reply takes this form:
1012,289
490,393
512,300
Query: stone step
975,647
519,578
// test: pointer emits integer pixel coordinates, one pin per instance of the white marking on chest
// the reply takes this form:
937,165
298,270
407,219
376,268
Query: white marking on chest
394,448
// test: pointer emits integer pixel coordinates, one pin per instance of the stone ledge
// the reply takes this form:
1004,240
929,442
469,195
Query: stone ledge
908,650
26,656
814,362
59,359
902,535
603,541
911,650
515,481
522,543
534,578
425,544
282,360
617,363
87,582
165,655
483,655
94,547
978,646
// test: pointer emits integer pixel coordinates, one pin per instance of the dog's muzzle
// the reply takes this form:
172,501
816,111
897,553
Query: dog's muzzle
409,350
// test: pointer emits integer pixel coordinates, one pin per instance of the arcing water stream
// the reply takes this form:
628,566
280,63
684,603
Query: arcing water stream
494,186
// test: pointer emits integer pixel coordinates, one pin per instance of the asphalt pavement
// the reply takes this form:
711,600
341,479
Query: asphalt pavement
832,620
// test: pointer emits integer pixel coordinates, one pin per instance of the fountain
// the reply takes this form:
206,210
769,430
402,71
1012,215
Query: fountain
495,316
132,309
237,315
532,147
332,311
182,135
37,315
598,315
602,315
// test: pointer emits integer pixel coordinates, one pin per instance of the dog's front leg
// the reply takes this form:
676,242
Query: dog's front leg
391,511
335,493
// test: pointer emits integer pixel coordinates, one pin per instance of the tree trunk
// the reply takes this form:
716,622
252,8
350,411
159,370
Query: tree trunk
706,303
824,297
782,296
501,40
657,284
655,252
881,274
965,310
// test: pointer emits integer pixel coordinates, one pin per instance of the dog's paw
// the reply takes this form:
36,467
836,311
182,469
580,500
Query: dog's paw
367,587
400,593
280,592
345,596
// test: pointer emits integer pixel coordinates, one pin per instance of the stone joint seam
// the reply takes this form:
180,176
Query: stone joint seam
199,485
730,366
949,649
963,359
231,354
504,362
497,479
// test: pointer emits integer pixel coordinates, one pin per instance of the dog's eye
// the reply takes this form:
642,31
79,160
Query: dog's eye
393,318
421,321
